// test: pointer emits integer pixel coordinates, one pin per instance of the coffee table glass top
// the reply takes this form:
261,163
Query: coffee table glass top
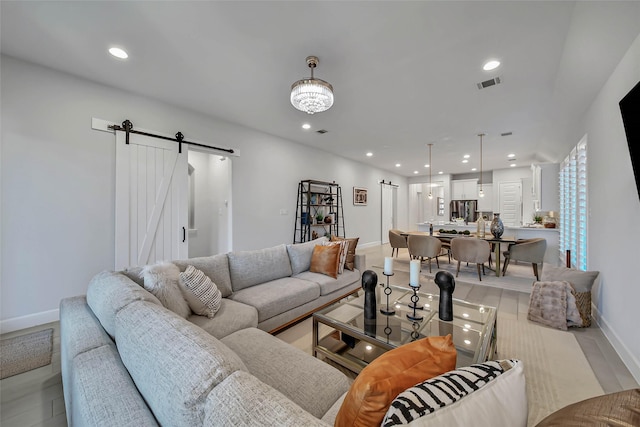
472,327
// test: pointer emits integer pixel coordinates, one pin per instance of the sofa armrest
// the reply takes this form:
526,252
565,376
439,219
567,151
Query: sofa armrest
360,262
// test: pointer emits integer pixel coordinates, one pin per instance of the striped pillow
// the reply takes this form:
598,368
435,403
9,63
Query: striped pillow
344,246
445,390
202,295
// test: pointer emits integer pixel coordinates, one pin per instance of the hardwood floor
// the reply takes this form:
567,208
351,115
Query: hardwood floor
35,398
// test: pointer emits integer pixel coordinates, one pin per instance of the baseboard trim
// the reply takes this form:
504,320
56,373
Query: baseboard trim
29,321
630,361
369,245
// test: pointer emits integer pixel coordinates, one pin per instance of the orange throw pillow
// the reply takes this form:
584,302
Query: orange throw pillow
382,380
326,260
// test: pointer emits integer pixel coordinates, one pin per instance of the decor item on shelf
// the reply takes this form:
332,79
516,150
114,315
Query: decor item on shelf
369,283
447,285
430,196
497,227
312,95
319,217
481,227
328,219
305,218
537,219
314,235
481,192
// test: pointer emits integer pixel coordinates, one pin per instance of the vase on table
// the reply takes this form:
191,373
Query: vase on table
481,227
497,227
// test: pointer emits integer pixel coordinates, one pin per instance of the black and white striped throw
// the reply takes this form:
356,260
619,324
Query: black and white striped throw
438,392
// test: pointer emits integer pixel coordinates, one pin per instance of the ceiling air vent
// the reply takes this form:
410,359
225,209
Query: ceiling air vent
321,131
506,134
488,83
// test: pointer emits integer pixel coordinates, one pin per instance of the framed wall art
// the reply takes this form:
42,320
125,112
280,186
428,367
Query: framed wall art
359,196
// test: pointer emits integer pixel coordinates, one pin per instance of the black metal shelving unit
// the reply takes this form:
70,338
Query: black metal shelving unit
314,198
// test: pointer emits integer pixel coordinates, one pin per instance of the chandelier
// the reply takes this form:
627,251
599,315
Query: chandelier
481,193
312,95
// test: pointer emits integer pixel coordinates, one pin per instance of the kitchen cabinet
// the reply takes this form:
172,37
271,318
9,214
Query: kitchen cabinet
464,189
485,204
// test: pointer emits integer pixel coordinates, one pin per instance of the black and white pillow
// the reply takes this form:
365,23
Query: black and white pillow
432,397
202,295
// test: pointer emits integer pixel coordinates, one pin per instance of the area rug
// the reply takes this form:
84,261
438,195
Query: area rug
518,277
557,372
25,352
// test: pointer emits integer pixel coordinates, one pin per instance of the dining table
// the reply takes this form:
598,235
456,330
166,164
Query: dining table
495,241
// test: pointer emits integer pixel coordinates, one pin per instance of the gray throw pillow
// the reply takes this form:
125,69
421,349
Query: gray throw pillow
582,281
202,295
300,255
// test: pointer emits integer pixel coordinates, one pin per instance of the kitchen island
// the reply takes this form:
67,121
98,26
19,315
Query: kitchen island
552,255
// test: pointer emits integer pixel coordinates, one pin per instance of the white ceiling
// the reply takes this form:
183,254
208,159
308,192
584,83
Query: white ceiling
404,73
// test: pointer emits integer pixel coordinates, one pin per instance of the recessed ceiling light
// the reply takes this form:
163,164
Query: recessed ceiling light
513,165
466,156
465,161
369,154
511,155
118,53
398,165
306,126
427,165
491,65
440,173
416,172
474,169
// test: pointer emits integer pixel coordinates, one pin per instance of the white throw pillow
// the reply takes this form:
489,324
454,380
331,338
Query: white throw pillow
483,395
202,295
161,279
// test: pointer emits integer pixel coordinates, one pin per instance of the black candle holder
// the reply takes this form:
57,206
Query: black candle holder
414,304
387,291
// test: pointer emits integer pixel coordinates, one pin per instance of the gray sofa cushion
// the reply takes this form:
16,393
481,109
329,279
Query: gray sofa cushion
231,317
249,402
277,296
300,254
249,268
173,362
329,284
109,292
104,392
216,267
309,382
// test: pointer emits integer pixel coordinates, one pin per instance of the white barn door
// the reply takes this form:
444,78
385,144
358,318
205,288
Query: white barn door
151,201
388,211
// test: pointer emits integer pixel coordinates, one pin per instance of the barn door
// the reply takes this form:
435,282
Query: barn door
151,201
388,211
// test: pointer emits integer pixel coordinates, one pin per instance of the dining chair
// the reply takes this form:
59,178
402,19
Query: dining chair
469,249
527,250
421,247
397,241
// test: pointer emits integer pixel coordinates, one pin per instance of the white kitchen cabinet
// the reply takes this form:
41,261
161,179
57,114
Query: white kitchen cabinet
485,204
464,189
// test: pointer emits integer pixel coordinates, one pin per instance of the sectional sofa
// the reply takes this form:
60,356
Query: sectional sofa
127,360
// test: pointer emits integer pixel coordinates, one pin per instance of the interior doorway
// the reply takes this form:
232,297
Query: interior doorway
389,209
209,203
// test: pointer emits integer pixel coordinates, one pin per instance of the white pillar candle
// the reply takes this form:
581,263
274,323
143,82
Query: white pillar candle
414,273
388,266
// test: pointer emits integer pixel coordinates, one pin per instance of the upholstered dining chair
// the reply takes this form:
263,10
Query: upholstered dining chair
397,241
527,250
421,247
469,249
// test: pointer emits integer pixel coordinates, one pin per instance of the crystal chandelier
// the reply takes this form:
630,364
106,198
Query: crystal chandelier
312,95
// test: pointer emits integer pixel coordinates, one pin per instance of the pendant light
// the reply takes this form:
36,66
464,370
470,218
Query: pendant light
312,95
481,193
430,167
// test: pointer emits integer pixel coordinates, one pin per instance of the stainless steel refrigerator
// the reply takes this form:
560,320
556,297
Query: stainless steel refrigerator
466,209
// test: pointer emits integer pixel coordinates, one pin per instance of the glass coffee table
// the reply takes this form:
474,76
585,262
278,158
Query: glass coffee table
342,334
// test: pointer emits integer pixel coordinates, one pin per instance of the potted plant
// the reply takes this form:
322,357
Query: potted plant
319,217
537,219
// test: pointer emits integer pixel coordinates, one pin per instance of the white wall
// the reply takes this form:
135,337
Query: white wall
57,180
614,205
